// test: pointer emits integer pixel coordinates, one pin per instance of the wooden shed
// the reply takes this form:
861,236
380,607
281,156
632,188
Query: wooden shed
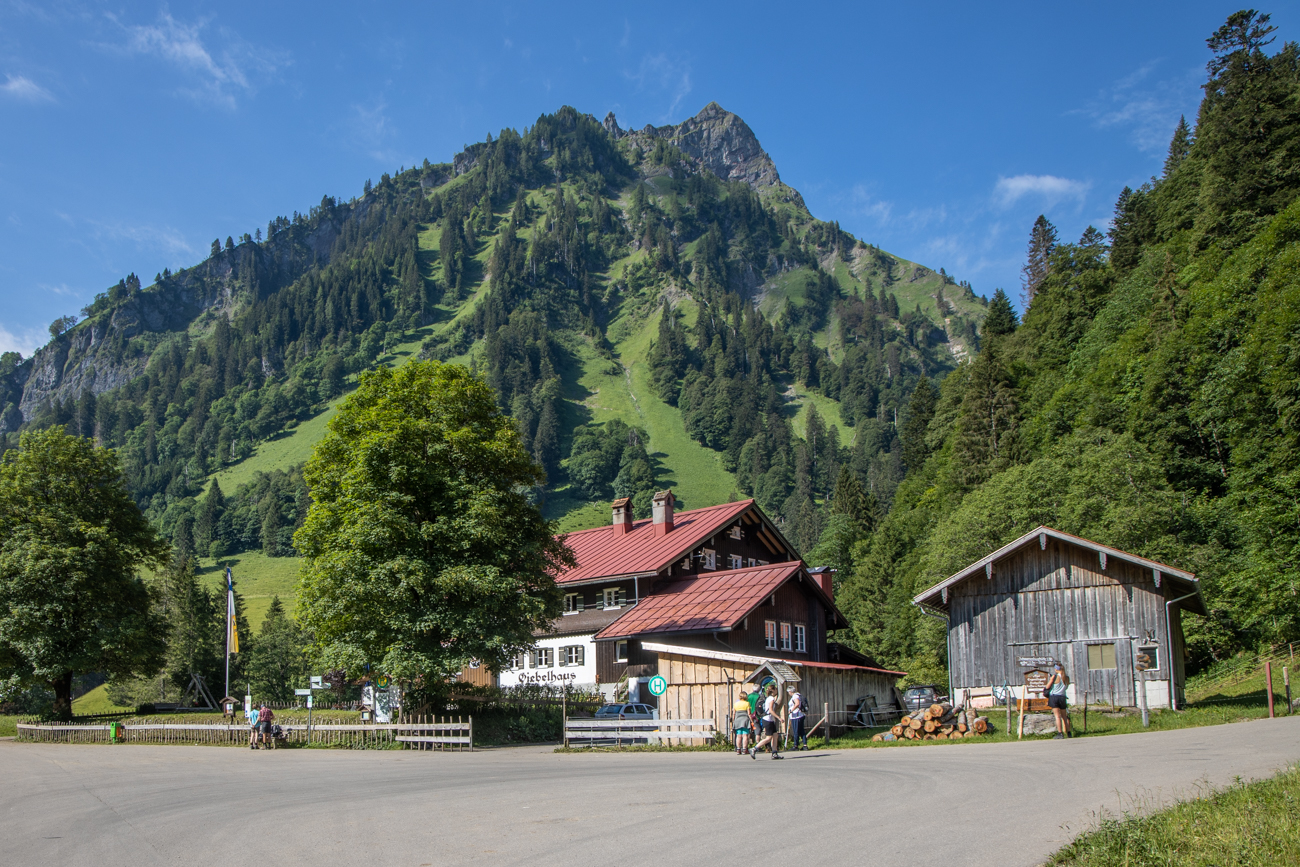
703,683
1051,596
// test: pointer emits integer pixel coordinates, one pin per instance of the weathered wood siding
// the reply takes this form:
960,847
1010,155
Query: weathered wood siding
698,688
1054,602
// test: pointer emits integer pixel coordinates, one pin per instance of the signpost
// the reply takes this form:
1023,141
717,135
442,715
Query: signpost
1034,682
658,686
1142,664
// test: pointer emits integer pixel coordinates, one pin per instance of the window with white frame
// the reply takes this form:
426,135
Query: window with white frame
572,655
572,603
516,662
762,562
769,634
751,562
620,651
734,532
734,561
708,559
613,597
800,638
786,643
686,563
543,657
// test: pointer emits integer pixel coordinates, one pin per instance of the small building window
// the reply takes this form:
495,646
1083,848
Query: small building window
762,562
800,638
613,597
543,657
620,651
709,559
572,603
572,655
734,532
1101,657
769,634
751,562
1152,654
686,563
734,561
786,642
516,662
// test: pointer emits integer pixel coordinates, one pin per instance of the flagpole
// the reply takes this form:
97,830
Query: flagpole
229,590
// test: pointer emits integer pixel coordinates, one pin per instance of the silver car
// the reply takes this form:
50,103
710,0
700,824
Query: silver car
627,711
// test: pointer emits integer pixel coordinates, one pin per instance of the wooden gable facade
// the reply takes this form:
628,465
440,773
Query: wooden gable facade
1053,596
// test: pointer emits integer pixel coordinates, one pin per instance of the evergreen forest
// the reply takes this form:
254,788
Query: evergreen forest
651,316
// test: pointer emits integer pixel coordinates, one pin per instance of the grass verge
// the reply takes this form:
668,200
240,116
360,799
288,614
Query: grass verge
1244,824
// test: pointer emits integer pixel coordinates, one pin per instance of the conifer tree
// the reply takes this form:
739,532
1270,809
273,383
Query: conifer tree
1001,318
986,436
920,411
1179,146
205,526
1042,241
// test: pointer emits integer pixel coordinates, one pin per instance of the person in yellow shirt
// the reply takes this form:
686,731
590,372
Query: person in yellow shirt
742,723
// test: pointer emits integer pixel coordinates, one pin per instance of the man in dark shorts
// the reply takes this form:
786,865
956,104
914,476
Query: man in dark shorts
265,718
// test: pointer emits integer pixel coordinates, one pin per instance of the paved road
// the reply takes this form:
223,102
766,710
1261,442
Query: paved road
995,804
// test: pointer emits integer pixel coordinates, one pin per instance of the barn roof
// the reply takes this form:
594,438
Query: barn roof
937,596
605,552
712,602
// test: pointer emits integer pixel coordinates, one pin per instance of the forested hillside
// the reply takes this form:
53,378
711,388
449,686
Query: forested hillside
1149,397
653,308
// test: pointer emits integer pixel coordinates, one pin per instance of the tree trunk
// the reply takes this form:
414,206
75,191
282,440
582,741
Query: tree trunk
62,686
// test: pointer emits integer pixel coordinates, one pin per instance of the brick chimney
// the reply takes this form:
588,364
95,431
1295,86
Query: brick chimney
825,578
622,516
663,512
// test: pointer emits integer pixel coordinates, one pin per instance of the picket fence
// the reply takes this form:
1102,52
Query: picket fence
421,732
618,733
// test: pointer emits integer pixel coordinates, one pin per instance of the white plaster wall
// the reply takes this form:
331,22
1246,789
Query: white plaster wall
559,674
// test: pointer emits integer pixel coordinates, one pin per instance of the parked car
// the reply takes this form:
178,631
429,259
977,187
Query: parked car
921,696
627,711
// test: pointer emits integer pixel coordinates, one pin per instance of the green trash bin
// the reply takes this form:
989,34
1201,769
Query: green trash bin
115,732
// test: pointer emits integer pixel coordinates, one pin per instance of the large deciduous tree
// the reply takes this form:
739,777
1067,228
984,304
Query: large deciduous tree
421,548
71,540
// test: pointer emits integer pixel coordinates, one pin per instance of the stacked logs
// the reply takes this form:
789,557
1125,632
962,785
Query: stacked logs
938,722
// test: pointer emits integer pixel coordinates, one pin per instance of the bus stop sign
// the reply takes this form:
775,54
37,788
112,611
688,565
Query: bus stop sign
658,686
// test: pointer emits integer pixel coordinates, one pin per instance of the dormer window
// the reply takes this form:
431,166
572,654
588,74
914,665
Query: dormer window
613,597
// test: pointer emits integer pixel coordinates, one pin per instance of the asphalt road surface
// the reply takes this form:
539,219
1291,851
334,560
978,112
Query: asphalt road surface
996,804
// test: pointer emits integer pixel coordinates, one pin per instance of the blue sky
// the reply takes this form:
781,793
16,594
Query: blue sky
131,135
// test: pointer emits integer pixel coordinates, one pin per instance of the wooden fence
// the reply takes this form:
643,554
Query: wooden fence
629,732
418,733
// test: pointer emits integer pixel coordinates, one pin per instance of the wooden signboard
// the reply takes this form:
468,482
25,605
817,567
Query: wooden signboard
1033,701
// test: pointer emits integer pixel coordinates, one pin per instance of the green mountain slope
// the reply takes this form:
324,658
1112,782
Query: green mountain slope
1148,399
551,262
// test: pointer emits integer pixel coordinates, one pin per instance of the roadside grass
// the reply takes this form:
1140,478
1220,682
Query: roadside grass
258,578
1244,824
8,726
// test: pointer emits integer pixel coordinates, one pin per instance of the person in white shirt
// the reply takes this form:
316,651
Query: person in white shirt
773,716
798,721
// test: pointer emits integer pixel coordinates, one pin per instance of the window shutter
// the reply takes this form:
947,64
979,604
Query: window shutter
622,596
582,654
600,601
581,596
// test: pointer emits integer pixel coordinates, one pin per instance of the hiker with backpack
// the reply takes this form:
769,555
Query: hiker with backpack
252,729
742,724
773,716
798,721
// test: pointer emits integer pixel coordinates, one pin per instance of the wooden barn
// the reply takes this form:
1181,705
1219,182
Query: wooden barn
1050,596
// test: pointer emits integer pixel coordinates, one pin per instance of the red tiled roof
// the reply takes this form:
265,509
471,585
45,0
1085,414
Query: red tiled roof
603,551
718,600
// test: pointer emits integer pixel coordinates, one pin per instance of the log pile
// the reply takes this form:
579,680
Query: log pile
938,722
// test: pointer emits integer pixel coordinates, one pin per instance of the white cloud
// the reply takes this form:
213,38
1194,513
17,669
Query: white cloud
163,238
220,73
22,87
27,341
1148,109
665,74
1051,188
